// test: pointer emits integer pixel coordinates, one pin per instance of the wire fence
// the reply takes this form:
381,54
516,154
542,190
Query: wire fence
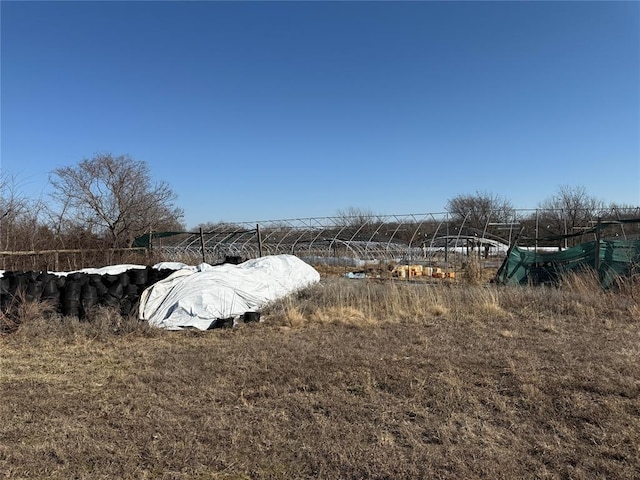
57,260
431,239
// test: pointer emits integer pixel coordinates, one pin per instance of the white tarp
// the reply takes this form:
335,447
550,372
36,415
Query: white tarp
196,296
108,270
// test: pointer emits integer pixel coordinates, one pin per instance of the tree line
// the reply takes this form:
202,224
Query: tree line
107,201
567,213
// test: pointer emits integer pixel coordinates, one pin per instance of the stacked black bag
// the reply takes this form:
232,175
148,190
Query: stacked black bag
76,293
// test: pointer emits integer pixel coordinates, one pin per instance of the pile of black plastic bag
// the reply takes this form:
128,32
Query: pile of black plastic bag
76,293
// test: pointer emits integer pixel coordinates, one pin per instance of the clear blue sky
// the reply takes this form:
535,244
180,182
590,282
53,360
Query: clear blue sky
269,110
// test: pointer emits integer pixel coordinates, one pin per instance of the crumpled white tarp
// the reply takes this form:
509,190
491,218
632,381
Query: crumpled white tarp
108,270
196,296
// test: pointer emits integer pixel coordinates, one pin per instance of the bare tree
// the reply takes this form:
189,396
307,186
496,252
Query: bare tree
478,210
355,216
567,212
114,196
11,202
358,223
13,207
218,227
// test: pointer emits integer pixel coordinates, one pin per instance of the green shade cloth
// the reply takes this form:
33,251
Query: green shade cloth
616,258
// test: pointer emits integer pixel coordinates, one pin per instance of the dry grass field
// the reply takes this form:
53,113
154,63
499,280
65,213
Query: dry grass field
351,379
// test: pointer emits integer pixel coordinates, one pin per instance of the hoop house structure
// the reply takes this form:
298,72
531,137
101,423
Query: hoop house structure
431,238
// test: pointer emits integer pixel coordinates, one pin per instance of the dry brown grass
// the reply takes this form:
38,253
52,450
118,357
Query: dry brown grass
350,379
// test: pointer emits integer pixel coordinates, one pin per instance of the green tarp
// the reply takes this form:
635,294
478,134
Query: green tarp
616,258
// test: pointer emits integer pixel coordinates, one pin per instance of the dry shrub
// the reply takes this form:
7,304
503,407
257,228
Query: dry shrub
343,315
473,272
366,303
474,302
314,307
103,323
23,314
438,310
291,317
487,302
629,286
581,294
584,282
40,321
634,312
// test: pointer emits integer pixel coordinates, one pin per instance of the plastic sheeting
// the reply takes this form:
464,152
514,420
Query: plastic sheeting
194,297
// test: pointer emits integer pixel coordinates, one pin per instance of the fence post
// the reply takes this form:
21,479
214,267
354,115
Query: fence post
150,246
446,243
536,244
202,245
259,240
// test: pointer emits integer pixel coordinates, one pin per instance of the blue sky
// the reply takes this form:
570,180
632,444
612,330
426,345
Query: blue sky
272,110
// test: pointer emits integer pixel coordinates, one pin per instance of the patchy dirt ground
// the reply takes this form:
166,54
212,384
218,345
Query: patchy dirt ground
487,385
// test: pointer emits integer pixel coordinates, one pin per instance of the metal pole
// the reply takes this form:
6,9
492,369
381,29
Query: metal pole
536,244
259,240
202,245
597,255
446,243
150,246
